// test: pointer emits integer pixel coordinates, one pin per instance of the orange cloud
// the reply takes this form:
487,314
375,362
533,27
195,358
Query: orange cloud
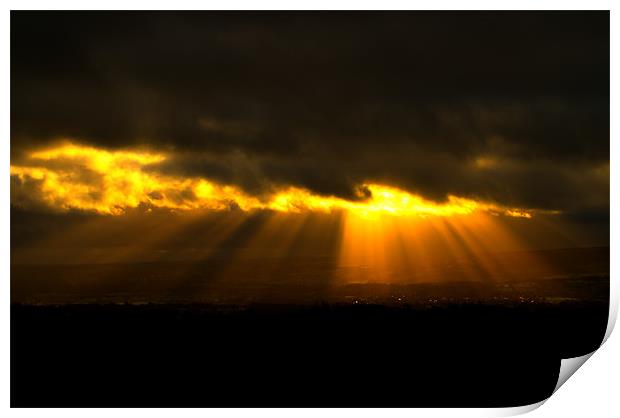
72,176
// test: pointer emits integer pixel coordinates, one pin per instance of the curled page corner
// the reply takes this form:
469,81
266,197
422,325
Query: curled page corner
569,366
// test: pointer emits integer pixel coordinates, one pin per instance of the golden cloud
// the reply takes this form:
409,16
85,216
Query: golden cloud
72,176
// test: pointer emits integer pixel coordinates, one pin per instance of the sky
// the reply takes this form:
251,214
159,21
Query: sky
142,121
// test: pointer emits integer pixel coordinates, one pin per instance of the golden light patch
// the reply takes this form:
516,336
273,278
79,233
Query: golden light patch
71,176
96,158
486,162
110,182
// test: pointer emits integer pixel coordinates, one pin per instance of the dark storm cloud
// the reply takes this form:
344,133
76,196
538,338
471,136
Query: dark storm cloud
330,100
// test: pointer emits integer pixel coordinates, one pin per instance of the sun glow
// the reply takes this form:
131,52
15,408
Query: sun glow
386,235
72,176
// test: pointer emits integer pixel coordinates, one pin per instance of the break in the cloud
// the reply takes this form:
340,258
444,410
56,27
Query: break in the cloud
509,108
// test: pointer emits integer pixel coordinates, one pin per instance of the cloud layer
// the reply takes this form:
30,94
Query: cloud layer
511,108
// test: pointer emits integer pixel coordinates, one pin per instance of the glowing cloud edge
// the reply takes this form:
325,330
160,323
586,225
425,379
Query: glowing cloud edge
76,177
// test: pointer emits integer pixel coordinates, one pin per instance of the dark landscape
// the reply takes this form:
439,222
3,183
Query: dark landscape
451,344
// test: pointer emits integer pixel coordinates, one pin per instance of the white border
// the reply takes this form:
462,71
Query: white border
605,406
